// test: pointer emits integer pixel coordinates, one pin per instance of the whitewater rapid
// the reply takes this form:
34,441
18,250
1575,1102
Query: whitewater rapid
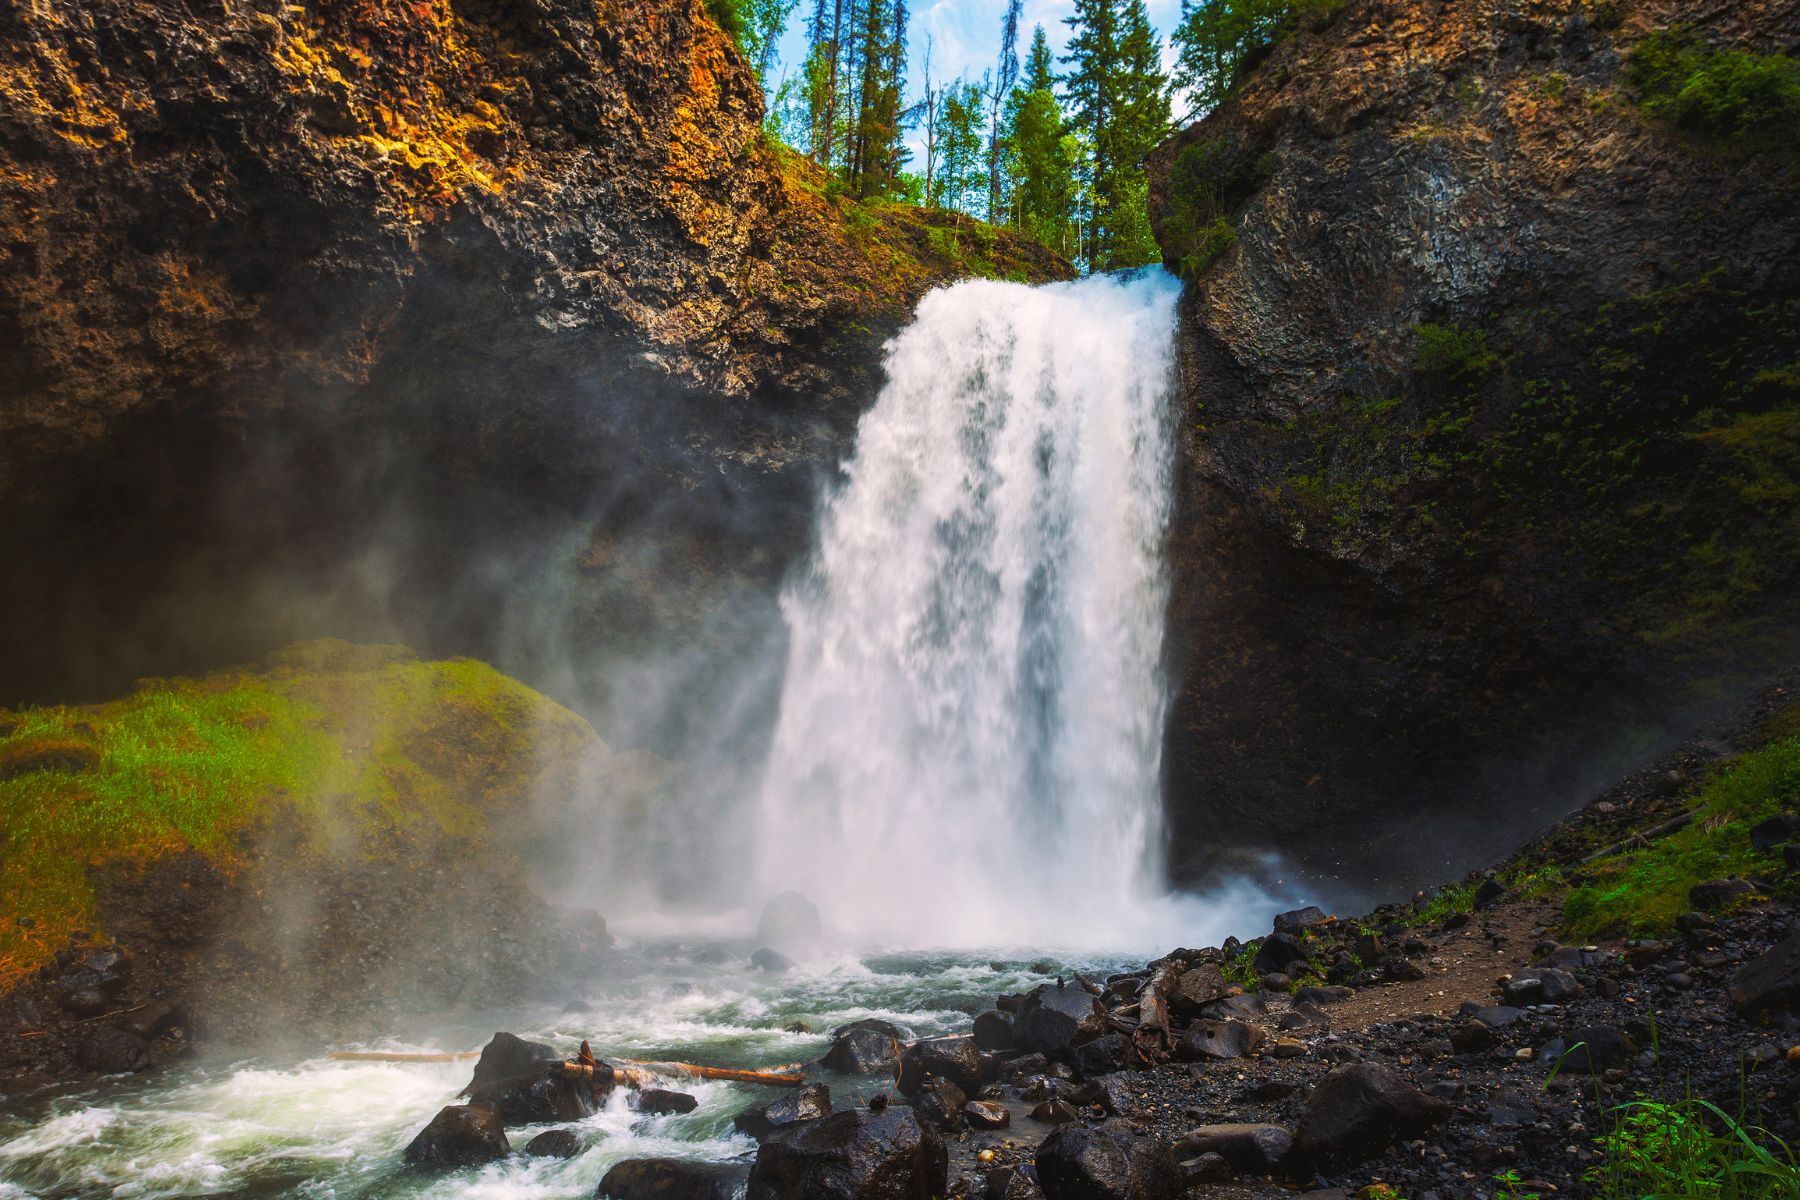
969,741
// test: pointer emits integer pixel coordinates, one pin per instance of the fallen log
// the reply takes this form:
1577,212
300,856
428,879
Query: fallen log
398,1056
1642,837
788,1076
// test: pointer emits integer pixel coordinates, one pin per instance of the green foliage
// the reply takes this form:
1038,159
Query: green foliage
1441,905
1730,95
1209,181
1507,1186
1690,1148
1642,891
1220,39
1453,353
1239,971
337,736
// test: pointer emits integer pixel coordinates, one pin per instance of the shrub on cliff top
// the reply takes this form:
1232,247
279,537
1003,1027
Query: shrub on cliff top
1730,95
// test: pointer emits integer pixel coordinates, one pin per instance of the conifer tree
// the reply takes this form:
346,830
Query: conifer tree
1119,97
1039,163
1006,72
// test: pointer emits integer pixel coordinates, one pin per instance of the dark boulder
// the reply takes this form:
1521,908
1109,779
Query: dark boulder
1202,985
861,1052
952,1058
1106,1162
987,1114
1769,984
1495,1016
662,1102
940,1104
107,970
1299,919
672,1179
1280,953
993,1030
1219,1040
1102,1056
1541,985
808,1103
1472,1037
461,1135
774,961
530,1100
84,1001
554,1143
853,1155
1054,1112
789,921
1490,893
1783,827
1053,1017
1249,1149
507,1059
1588,1050
1013,1183
108,1051
1357,1111
1716,894
1246,1006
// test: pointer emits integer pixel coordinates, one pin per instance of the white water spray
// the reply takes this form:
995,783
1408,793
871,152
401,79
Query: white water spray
969,743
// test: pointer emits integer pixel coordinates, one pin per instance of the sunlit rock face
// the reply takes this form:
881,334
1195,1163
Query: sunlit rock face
1484,434
338,266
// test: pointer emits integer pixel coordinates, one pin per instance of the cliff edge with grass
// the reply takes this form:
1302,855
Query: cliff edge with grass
1491,415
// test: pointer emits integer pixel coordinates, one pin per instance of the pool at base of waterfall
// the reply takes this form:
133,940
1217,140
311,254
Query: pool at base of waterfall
302,1124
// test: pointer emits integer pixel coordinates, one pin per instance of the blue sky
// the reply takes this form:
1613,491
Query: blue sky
965,37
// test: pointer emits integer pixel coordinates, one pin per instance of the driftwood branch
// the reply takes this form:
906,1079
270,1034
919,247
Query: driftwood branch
1642,837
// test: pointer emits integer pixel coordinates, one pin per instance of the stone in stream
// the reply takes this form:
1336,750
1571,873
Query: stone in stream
952,1058
1769,985
1013,1183
940,1104
853,1155
1108,1161
461,1135
554,1143
109,1051
1054,1016
672,1179
507,1058
1358,1111
802,1104
993,1030
986,1114
789,922
662,1102
1249,1149
1054,1112
774,961
863,1048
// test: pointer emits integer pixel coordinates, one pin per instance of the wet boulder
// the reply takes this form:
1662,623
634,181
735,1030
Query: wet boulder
808,1103
554,1143
1209,1039
535,1100
1054,1112
1198,987
789,922
862,1051
1107,1161
1280,953
952,1058
1013,1183
1054,1016
773,961
853,1155
1358,1111
661,1102
986,1114
109,1051
1249,1149
461,1135
993,1030
1769,984
940,1104
672,1179
507,1059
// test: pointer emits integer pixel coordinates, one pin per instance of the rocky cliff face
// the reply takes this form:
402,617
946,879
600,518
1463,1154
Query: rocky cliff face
346,281
1492,436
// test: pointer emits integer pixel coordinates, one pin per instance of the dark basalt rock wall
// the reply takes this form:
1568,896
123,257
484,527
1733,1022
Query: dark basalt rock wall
1489,416
286,287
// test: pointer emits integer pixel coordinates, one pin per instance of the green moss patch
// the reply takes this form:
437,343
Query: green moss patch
336,740
1640,892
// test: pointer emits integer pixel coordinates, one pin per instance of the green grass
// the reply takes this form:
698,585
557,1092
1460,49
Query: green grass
1442,906
1641,892
1689,1148
1452,352
346,739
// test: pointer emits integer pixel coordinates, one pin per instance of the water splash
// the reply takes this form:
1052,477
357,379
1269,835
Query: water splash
970,733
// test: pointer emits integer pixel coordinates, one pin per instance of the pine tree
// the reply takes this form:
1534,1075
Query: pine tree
1216,37
962,173
1119,97
1040,170
1006,72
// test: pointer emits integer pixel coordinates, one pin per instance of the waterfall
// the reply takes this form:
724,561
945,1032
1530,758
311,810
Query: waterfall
969,739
